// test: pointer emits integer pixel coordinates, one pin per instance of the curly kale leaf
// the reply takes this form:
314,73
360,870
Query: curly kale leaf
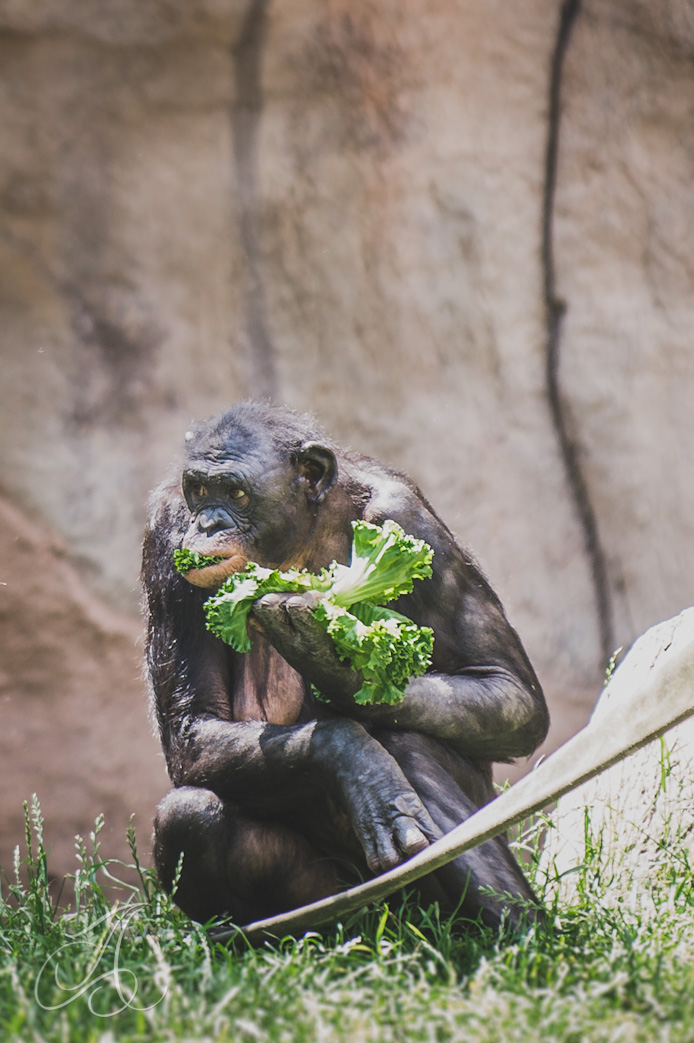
227,610
185,560
385,646
385,561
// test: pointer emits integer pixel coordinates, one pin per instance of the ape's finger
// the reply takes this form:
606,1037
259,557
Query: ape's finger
308,629
427,825
308,600
371,854
271,611
408,836
387,856
271,603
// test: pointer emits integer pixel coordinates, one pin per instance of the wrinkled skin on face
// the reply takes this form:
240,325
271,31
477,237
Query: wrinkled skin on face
246,507
279,799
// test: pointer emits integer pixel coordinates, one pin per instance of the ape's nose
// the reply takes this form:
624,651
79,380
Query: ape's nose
213,519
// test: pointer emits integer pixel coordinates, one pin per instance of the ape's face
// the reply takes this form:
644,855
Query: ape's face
250,502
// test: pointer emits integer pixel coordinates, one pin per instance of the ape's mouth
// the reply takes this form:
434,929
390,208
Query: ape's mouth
212,575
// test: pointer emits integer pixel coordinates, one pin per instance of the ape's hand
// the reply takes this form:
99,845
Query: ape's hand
388,817
288,622
385,812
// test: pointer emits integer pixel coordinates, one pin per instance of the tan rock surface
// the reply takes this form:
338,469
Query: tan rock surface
74,727
342,204
624,230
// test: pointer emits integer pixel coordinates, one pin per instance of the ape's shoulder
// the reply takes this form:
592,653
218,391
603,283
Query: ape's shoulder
388,493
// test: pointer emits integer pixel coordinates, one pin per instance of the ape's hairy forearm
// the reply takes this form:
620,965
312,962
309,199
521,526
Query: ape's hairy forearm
251,761
485,714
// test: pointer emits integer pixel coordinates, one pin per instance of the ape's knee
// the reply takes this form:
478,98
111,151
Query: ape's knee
189,823
186,812
232,865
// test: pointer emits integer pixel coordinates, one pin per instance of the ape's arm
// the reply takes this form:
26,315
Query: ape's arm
268,768
482,695
485,712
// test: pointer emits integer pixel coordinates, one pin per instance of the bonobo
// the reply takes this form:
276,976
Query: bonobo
281,799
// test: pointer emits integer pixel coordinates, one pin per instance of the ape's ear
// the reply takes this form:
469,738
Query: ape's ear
317,464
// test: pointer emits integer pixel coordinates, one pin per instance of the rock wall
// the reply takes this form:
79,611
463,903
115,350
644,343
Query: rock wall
461,236
75,728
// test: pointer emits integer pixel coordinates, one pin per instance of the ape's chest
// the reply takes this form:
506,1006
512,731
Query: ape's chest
266,687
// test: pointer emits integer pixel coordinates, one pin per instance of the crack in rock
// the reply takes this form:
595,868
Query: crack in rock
555,309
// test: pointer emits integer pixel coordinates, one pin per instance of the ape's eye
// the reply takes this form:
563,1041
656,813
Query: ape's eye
236,494
198,489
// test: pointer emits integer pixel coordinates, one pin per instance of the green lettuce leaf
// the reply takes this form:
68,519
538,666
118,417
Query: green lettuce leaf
385,646
385,561
227,611
185,560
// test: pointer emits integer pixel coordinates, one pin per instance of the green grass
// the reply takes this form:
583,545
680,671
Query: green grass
137,969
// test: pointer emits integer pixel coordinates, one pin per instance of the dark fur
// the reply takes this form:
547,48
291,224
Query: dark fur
278,799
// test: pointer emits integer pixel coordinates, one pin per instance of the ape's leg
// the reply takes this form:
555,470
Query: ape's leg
232,865
440,776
